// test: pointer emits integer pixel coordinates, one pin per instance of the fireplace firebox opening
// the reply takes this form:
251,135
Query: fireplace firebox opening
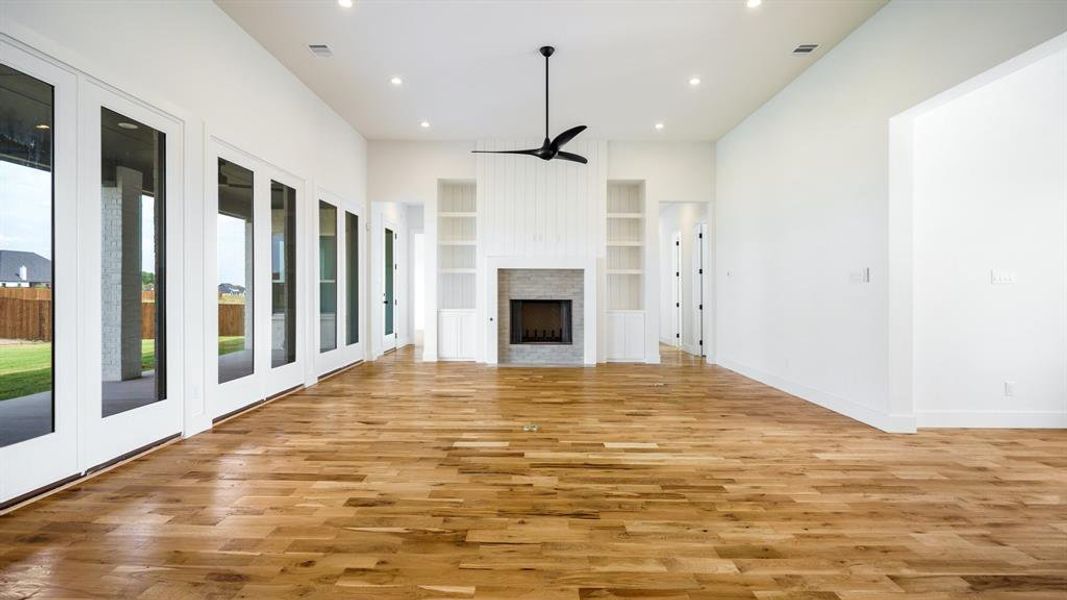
541,322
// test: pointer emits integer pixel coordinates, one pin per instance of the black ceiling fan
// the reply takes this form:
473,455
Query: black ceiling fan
550,149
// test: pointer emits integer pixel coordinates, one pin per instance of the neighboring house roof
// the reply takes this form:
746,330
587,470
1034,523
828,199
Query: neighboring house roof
38,268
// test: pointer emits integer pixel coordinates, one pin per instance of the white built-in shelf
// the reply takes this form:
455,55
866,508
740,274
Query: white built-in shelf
625,246
457,247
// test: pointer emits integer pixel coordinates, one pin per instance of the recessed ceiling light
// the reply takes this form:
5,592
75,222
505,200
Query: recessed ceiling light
425,124
659,126
125,125
694,81
42,126
753,3
348,3
396,81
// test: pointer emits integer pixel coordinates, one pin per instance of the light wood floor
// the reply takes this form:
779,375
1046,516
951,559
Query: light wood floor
400,479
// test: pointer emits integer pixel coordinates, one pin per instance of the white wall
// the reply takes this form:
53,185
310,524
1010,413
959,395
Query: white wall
408,171
990,193
801,198
682,217
192,61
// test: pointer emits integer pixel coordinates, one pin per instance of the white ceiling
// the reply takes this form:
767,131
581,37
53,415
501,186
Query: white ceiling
471,68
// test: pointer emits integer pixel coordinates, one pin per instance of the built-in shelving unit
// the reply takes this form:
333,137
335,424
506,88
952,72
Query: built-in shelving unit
625,332
457,244
626,245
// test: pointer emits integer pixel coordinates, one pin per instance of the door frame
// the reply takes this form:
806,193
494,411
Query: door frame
100,438
33,464
351,353
289,375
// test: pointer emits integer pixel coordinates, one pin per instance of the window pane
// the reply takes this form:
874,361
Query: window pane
235,261
132,275
282,273
26,122
327,276
351,278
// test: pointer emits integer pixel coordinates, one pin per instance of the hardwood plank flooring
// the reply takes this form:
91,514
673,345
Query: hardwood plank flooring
400,479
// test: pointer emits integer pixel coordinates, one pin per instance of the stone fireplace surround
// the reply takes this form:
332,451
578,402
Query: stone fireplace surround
550,278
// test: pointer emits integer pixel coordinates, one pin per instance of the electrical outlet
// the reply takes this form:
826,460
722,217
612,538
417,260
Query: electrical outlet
1009,389
998,277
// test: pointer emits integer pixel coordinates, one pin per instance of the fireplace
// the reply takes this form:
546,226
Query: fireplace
541,322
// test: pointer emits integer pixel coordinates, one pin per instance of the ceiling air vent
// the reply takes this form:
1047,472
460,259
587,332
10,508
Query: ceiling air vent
805,48
320,50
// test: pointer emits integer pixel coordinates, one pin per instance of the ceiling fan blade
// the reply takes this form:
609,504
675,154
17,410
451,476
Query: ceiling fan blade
567,136
571,157
529,151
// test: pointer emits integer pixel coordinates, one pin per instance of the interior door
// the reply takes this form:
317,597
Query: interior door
700,258
389,299
676,287
130,247
38,225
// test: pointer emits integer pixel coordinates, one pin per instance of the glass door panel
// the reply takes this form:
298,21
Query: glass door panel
26,253
327,276
283,273
133,264
390,298
351,278
235,292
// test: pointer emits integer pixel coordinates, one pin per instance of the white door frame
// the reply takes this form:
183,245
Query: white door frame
103,438
676,288
225,398
350,353
282,377
35,463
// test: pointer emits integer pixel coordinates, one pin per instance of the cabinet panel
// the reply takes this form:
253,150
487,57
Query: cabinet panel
455,334
625,336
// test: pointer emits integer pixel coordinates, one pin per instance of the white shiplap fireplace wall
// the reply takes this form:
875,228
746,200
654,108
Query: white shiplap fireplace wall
538,214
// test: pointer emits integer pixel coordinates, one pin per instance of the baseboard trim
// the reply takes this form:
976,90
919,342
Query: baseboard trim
879,420
992,419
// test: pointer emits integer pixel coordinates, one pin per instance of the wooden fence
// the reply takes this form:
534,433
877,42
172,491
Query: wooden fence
26,314
22,319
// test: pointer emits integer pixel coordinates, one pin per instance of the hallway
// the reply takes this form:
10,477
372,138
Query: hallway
401,479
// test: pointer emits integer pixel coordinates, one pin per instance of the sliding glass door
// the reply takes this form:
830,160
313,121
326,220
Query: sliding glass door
38,274
131,232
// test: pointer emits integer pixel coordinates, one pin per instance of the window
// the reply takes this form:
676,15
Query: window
26,293
327,276
351,278
283,274
132,274
236,280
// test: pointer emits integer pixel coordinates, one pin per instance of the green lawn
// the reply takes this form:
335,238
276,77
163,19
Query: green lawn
27,368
